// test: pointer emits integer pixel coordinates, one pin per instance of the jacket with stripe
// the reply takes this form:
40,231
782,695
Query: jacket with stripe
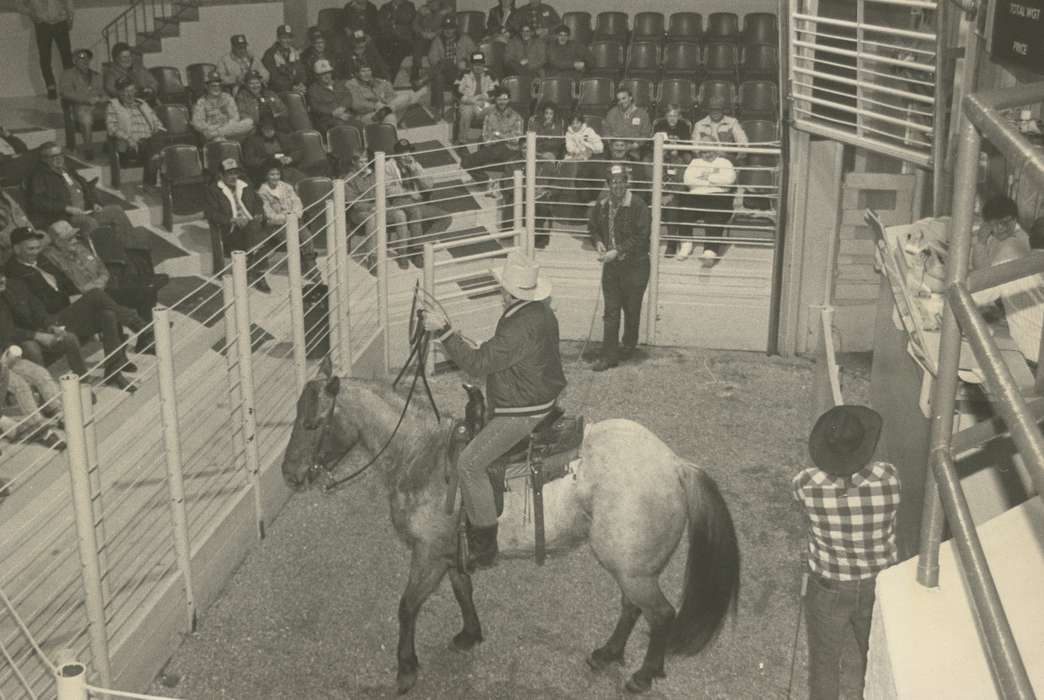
521,362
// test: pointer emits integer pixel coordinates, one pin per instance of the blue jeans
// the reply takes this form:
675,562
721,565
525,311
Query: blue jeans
830,608
500,435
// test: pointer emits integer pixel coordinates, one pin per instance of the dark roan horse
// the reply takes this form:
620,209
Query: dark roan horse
629,495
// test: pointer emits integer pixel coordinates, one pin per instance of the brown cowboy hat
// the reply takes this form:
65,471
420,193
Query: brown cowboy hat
844,438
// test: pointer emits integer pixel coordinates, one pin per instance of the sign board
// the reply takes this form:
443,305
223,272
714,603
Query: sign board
1017,37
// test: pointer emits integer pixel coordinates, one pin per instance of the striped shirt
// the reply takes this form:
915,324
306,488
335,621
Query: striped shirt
851,533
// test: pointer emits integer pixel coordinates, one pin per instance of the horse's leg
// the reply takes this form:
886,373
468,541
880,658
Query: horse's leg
426,573
472,632
645,592
613,650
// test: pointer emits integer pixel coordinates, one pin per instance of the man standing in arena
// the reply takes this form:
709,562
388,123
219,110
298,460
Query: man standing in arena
619,225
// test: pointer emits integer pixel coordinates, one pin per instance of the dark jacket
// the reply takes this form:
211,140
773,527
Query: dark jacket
258,152
395,22
364,19
283,74
218,210
35,301
47,196
521,362
21,315
633,222
495,21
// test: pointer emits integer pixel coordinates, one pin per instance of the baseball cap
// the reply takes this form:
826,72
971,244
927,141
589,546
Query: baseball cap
617,172
252,75
212,77
562,29
284,30
449,23
478,57
25,233
83,53
238,40
716,102
229,165
403,146
123,83
322,66
314,33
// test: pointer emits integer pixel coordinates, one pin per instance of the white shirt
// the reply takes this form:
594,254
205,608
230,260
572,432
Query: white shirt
709,177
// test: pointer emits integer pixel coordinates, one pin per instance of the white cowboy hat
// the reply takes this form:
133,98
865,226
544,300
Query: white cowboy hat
520,277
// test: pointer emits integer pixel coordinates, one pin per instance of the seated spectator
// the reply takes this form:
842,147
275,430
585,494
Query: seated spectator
265,145
475,87
395,34
82,87
583,176
359,187
54,192
526,53
12,216
255,101
447,58
709,177
581,141
216,116
234,209
361,15
41,303
136,129
315,52
405,198
237,65
124,67
549,128
501,140
16,160
19,379
330,101
540,16
717,126
677,220
279,200
626,120
673,125
502,21
84,263
286,73
998,234
375,100
566,57
24,320
364,52
431,17
550,185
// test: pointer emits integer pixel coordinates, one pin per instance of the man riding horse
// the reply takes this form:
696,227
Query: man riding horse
523,370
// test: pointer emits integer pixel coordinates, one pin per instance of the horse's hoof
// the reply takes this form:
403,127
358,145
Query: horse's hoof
464,640
638,685
407,677
600,659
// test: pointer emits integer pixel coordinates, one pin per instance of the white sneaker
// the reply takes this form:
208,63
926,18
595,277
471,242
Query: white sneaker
684,251
708,254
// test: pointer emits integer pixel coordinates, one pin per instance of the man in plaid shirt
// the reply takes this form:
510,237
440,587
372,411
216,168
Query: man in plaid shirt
851,503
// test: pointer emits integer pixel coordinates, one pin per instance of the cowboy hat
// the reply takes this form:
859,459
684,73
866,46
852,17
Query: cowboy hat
520,277
843,439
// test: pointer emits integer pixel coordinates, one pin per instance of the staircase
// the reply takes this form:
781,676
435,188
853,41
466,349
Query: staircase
146,23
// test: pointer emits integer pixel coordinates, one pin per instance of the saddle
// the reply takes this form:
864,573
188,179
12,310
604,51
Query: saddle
540,458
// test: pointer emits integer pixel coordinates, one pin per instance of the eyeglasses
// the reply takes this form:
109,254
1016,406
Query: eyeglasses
59,154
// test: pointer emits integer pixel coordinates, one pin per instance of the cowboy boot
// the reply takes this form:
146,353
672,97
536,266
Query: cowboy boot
482,547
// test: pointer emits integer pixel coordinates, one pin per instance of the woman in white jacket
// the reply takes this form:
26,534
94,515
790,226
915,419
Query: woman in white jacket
581,143
709,178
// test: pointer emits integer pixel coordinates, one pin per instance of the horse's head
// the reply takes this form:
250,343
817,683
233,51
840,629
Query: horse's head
319,439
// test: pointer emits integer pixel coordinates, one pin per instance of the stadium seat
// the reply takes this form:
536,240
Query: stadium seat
721,61
216,151
643,90
722,26
761,28
676,91
681,59
313,158
685,26
381,137
297,112
611,26
559,91
579,24
759,99
494,53
181,166
596,122
313,191
330,20
72,129
345,140
595,94
472,23
520,88
726,89
758,188
761,130
643,60
171,88
649,26
196,74
760,62
177,121
607,59
118,161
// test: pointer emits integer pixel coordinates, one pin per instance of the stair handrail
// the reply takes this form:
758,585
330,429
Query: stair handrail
944,500
139,18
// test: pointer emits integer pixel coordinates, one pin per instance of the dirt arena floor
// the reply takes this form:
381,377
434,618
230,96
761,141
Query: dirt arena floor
312,611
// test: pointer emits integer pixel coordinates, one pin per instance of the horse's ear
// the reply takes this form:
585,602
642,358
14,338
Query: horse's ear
326,367
333,385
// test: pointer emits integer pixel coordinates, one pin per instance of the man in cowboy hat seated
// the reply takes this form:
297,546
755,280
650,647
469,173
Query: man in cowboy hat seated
523,370
850,502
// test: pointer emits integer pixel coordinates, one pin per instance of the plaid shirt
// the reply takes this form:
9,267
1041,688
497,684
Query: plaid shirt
851,533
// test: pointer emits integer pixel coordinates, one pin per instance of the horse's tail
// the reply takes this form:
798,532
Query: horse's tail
712,571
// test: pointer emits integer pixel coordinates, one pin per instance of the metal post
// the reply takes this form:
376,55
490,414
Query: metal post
943,91
94,466
429,287
297,323
246,382
172,450
86,537
70,676
382,254
517,207
333,297
235,396
530,192
945,391
656,206
343,298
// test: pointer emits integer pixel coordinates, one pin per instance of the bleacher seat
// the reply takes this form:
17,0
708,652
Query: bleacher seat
611,26
344,140
330,20
649,26
607,59
761,130
725,89
297,112
579,24
761,28
596,122
760,62
643,90
677,91
196,74
72,128
177,121
520,88
118,161
685,26
171,87
559,91
759,99
381,137
682,59
472,23
758,187
494,53
216,151
181,167
595,94
313,191
721,61
313,158
643,60
722,26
